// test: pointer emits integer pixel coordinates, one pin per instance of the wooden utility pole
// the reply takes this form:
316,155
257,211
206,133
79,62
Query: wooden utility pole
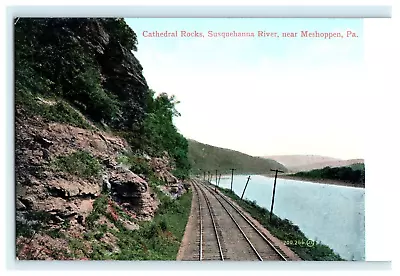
245,187
216,179
219,179
232,178
273,193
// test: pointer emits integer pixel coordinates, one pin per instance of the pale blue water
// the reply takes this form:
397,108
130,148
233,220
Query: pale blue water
331,214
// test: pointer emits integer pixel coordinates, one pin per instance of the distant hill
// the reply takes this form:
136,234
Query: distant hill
297,163
357,166
353,175
209,158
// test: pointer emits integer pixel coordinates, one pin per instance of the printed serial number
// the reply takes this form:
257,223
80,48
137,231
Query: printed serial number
309,243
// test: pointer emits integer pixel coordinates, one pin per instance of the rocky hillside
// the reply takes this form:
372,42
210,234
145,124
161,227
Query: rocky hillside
204,157
99,164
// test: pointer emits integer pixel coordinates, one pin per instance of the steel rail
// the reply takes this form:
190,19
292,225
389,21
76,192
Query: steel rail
240,229
201,224
249,222
213,222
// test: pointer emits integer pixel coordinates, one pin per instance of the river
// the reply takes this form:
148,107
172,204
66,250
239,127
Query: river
334,215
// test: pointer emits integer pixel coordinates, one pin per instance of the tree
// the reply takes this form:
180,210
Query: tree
160,133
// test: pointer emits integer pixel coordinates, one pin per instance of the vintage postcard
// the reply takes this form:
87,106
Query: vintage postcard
189,139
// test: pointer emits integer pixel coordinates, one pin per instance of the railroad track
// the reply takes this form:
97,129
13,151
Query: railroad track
237,237
209,236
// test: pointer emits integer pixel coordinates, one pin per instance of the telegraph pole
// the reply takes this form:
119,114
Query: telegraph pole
245,187
273,193
216,179
232,178
219,179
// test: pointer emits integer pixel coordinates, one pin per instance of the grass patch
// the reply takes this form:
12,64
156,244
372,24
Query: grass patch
136,163
60,112
55,234
80,163
160,238
77,247
286,231
99,208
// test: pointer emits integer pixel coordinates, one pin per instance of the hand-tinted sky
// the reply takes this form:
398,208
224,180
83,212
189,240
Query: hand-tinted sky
261,96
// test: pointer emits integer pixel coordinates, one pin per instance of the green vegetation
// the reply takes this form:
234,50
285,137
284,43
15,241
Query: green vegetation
358,166
136,163
99,207
51,61
158,239
208,158
353,174
286,231
80,163
161,134
60,111
37,219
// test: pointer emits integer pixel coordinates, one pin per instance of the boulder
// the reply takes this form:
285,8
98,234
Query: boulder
127,184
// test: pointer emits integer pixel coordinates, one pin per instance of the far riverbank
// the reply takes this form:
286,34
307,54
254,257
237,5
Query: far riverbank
320,181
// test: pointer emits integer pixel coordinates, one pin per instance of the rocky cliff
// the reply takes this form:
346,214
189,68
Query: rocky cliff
50,193
80,103
88,62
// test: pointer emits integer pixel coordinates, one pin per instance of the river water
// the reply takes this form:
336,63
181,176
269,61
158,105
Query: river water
334,215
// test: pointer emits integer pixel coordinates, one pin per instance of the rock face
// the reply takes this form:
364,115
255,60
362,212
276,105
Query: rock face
121,70
62,195
42,247
162,168
132,192
127,184
65,49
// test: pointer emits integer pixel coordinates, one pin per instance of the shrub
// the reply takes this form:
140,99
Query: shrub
80,163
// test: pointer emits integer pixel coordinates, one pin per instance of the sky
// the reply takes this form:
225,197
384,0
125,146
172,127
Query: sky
258,95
